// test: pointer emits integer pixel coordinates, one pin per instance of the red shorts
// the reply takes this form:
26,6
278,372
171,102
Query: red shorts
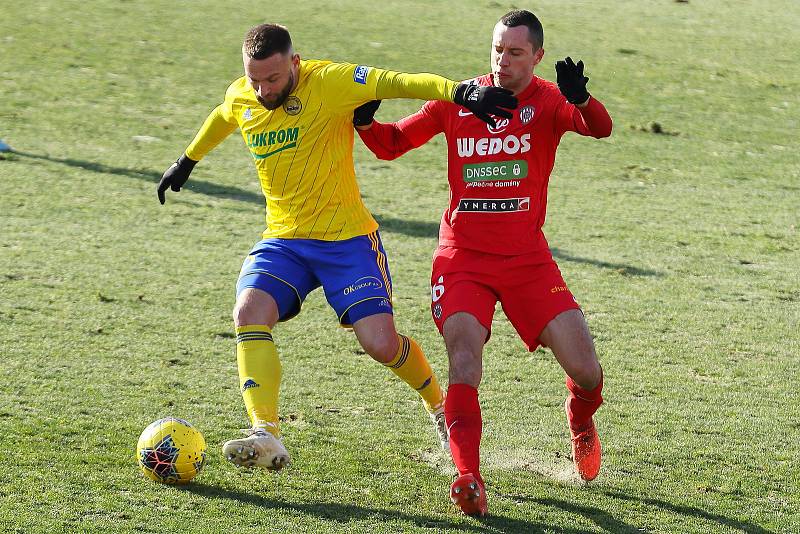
529,287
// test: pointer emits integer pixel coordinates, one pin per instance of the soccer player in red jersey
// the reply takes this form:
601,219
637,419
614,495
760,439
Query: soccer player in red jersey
491,245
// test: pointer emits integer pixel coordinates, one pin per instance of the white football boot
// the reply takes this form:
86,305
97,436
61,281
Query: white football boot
440,425
258,449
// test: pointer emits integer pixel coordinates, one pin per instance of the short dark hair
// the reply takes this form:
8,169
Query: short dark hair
265,40
523,17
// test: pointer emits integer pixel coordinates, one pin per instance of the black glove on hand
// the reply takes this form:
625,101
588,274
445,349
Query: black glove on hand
571,81
175,176
364,114
485,100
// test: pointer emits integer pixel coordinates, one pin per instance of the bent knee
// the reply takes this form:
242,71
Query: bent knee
244,315
382,348
259,310
589,376
466,367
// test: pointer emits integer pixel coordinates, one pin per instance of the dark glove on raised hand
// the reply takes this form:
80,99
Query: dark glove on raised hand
175,176
571,81
364,114
484,101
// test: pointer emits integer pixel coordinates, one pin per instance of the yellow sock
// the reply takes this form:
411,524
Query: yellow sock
259,375
413,368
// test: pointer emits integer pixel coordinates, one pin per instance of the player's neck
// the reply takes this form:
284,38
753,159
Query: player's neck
296,80
517,88
524,85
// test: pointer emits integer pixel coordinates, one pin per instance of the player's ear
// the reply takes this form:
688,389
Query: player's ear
537,56
296,60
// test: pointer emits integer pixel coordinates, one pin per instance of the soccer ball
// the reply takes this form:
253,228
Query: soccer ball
171,451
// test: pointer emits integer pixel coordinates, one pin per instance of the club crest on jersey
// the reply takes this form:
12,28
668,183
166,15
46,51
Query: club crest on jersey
292,106
247,115
360,74
526,114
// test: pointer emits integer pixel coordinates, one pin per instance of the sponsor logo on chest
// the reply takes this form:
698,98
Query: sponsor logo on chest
286,138
495,170
488,146
494,205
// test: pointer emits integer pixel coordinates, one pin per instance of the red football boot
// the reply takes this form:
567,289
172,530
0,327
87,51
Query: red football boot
586,450
469,494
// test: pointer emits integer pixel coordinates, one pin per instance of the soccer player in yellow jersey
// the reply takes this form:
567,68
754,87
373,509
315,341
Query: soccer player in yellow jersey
296,119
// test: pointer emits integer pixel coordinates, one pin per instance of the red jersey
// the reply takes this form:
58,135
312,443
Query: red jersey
498,176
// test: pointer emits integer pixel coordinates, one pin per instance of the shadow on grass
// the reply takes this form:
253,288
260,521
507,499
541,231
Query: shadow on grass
691,511
407,227
599,517
606,521
198,186
345,513
622,268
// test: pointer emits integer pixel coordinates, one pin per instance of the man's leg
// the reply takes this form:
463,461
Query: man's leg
538,303
404,357
462,306
568,337
271,287
358,285
464,337
254,315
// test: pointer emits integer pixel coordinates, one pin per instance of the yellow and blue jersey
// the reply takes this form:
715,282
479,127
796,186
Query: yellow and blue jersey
303,150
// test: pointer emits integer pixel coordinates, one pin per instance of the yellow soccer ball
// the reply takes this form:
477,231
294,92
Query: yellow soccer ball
171,451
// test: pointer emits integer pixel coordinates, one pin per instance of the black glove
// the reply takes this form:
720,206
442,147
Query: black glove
364,114
175,176
571,81
485,100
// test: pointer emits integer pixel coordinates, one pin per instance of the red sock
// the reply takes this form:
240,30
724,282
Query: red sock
462,412
582,403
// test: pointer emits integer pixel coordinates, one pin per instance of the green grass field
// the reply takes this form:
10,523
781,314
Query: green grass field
678,235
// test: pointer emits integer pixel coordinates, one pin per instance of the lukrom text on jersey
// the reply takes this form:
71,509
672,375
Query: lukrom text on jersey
270,138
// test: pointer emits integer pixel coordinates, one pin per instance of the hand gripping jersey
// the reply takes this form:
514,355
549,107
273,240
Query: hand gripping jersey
303,150
498,176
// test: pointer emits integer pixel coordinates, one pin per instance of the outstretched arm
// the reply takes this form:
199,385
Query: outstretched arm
391,140
359,84
482,101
